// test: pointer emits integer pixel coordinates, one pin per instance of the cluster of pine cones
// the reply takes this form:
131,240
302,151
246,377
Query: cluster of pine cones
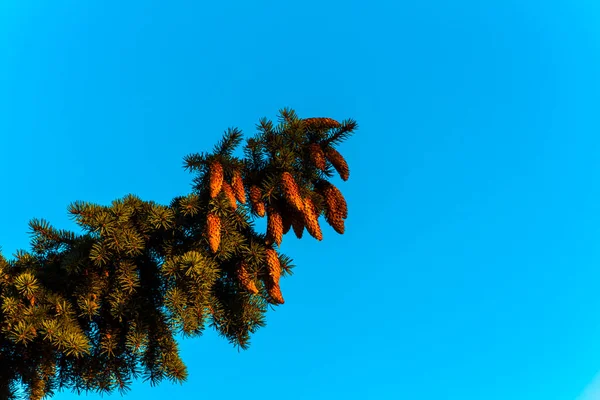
298,213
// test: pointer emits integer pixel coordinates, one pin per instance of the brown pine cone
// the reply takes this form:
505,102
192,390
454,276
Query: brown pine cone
275,293
229,194
273,264
338,162
297,220
245,280
256,201
334,219
238,186
335,209
317,156
341,202
286,222
311,219
274,226
290,189
321,123
213,230
216,178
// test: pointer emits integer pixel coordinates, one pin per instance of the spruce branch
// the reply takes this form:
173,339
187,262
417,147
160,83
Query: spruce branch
93,312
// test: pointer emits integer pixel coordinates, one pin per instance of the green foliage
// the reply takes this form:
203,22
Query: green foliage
93,312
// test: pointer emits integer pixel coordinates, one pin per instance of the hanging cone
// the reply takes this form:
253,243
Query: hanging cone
245,280
338,162
333,219
317,156
256,200
238,186
331,193
311,219
341,202
274,226
297,220
334,214
338,225
213,230
229,194
290,189
287,222
320,123
286,212
216,178
275,293
273,264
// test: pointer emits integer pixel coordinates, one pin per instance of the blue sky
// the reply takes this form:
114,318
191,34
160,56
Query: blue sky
470,266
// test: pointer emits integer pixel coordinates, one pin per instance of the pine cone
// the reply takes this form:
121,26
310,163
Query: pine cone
321,123
329,191
317,156
245,280
341,202
286,222
213,230
336,210
273,265
275,293
290,189
311,219
230,195
274,226
338,162
238,186
256,200
333,216
216,178
297,220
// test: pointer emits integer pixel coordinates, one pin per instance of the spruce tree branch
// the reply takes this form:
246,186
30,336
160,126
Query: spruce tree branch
92,312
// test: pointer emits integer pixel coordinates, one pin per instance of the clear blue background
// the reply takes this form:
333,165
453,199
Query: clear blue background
470,266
